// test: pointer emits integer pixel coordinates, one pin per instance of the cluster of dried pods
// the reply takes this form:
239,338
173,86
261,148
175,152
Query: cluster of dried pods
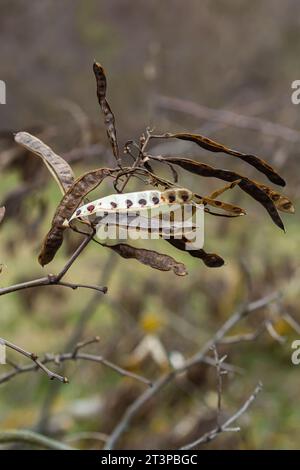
75,191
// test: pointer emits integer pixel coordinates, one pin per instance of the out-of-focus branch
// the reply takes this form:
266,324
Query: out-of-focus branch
136,406
225,427
243,338
30,437
219,361
228,117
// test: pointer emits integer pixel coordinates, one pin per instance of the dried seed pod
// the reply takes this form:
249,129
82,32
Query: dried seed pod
226,206
71,200
175,195
58,167
252,160
150,258
109,118
211,260
137,201
282,202
247,185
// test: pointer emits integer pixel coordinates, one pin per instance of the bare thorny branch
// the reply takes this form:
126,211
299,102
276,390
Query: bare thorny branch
225,427
60,358
197,358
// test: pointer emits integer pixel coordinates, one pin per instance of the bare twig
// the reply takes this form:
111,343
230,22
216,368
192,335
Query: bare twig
243,338
83,344
56,279
89,436
34,358
225,427
273,333
144,143
59,358
133,409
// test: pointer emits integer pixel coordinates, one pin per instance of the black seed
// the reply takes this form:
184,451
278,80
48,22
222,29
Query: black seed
78,212
155,200
128,203
171,198
114,205
218,203
184,197
142,202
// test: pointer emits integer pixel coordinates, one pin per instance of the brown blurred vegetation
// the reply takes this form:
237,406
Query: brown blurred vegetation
225,55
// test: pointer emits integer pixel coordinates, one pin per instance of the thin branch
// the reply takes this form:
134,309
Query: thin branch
77,333
74,256
59,358
135,407
244,338
30,437
225,427
82,344
56,279
219,361
144,143
34,358
49,281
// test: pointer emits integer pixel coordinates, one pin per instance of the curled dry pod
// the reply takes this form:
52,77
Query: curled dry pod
252,160
71,200
109,118
150,258
247,185
58,167
211,260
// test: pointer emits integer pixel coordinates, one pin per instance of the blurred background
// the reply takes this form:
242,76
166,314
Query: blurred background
222,68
